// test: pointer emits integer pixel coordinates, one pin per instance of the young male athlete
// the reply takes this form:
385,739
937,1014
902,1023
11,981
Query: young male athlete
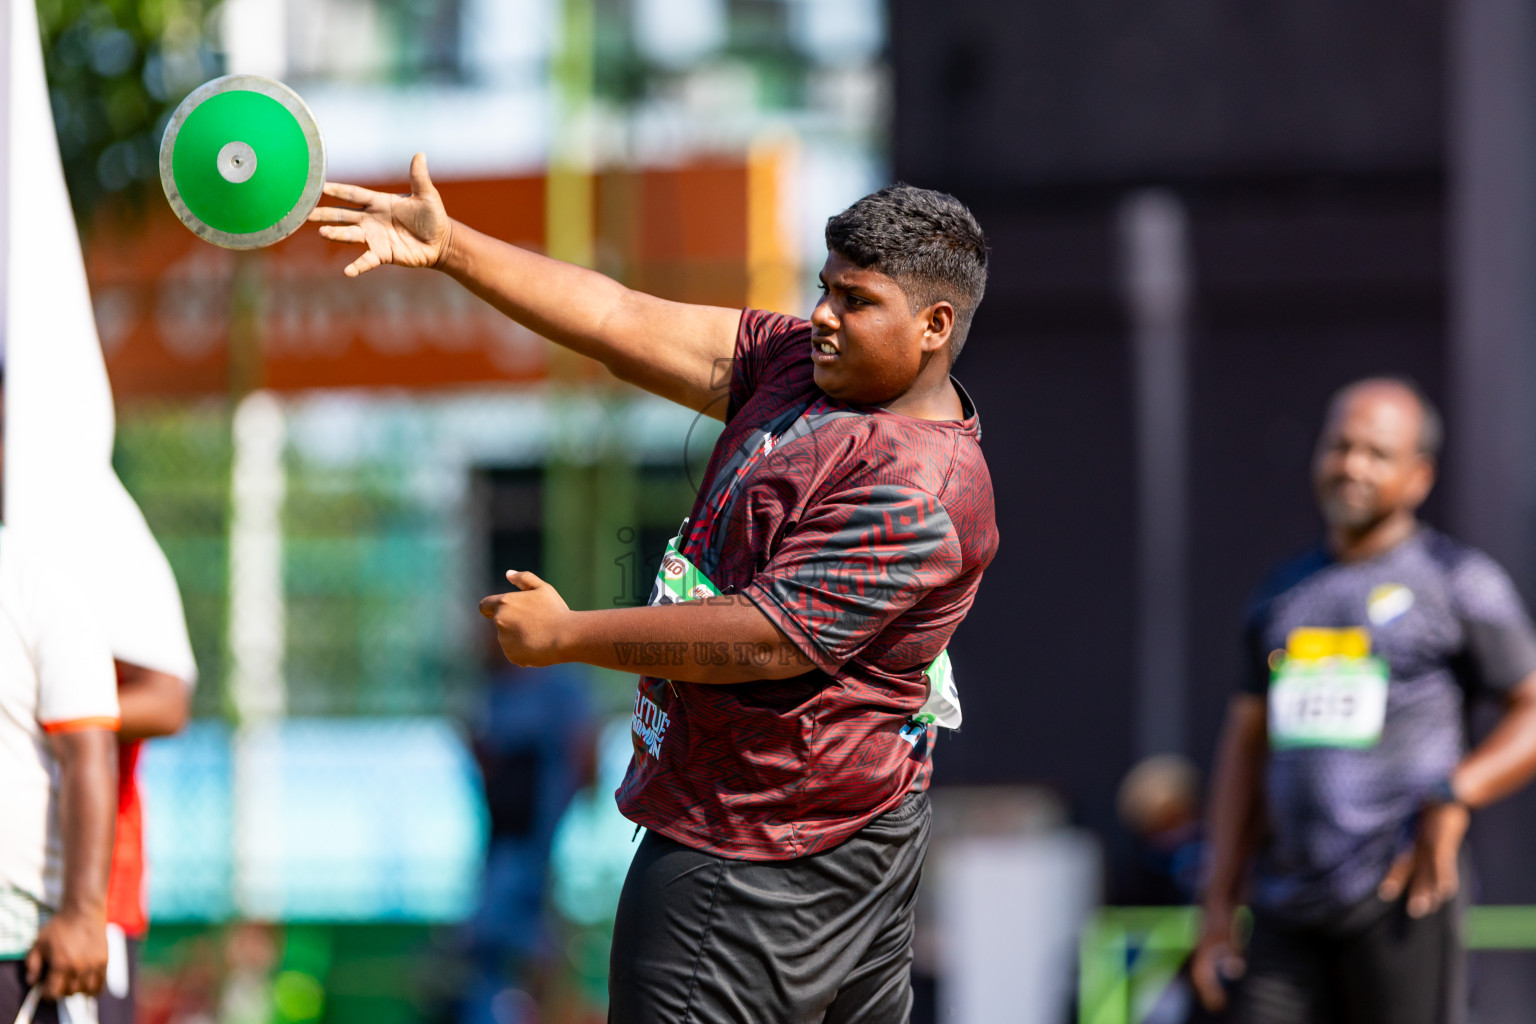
1343,773
798,626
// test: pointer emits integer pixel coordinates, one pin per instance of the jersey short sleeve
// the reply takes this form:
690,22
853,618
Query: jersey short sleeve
1256,672
77,687
1501,642
855,562
763,341
149,627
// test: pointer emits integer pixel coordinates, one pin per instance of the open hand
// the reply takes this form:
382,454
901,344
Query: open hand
529,621
73,947
1429,870
407,231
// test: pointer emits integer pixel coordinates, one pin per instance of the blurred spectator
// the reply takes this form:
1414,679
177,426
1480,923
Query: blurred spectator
250,955
1344,780
1159,804
534,739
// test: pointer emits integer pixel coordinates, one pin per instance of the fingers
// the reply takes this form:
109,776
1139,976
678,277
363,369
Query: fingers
1435,881
1392,886
1449,875
489,605
336,215
59,981
350,233
364,263
355,194
34,965
524,580
421,184
1426,890
1206,976
1421,894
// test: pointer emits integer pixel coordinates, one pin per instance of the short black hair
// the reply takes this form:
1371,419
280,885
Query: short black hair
1431,426
927,241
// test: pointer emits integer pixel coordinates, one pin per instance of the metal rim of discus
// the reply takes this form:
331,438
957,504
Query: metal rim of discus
313,185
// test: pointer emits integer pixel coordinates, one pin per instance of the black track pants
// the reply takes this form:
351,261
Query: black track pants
700,939
1375,966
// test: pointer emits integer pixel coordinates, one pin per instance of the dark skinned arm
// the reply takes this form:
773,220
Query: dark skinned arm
152,703
1501,764
673,349
1506,760
1232,825
718,640
73,943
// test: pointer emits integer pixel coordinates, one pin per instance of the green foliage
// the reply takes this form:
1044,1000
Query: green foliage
176,461
116,69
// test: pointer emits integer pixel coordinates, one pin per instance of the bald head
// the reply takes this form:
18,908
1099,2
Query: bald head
1402,393
1375,458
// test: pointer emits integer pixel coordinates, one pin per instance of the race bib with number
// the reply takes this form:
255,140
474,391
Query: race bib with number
1327,691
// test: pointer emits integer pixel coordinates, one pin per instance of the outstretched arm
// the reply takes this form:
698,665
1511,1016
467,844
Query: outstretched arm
672,349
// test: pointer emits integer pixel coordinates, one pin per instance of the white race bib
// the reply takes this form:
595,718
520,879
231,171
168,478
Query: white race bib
942,708
1328,702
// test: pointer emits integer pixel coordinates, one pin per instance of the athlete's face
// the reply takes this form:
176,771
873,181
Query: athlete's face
1369,462
869,346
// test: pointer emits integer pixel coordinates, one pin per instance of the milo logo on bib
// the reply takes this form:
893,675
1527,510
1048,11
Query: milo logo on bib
678,579
1327,690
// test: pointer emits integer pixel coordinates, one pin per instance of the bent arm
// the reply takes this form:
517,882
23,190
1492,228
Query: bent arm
151,703
87,815
1506,759
723,639
717,640
679,351
1234,814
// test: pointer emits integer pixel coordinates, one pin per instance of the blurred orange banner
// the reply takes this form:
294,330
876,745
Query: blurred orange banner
180,317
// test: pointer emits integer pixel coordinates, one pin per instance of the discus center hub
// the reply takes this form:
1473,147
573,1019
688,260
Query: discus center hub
237,162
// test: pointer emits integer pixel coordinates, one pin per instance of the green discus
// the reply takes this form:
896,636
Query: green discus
242,161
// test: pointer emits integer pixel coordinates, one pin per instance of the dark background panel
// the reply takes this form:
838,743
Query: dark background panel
1044,659
1103,89
1299,290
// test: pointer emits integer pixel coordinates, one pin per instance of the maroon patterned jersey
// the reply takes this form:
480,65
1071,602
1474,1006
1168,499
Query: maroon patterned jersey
862,534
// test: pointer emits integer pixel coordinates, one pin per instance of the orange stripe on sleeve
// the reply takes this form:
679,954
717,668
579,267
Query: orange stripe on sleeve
79,724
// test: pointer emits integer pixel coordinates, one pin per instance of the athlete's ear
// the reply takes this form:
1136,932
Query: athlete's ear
939,323
1422,481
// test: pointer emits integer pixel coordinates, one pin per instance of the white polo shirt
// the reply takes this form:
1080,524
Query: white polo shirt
56,675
